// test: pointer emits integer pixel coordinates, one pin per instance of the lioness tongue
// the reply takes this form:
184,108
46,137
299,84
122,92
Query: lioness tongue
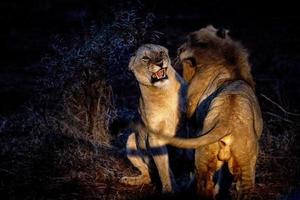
160,73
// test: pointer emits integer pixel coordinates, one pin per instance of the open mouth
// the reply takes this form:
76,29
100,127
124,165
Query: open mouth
159,75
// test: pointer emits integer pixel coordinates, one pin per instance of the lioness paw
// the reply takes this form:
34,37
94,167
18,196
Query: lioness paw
137,180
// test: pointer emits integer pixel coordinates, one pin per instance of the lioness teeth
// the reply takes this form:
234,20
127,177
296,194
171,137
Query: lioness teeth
159,74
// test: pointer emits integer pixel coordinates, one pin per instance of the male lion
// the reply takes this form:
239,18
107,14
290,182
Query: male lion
222,102
159,109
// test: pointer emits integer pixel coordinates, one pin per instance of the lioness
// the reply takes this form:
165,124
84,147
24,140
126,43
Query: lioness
159,109
222,102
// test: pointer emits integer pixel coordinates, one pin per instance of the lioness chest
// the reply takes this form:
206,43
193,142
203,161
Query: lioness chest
161,111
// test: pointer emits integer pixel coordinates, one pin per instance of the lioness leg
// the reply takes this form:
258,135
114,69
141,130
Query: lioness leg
207,164
135,157
160,156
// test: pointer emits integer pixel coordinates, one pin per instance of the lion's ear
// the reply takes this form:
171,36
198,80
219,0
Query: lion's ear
222,33
131,62
188,70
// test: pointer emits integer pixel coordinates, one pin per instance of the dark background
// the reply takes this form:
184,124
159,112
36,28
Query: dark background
37,164
28,28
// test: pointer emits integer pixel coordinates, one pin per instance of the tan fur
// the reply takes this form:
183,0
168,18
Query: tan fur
233,123
159,109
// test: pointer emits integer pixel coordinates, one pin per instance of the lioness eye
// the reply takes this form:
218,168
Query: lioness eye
160,62
145,59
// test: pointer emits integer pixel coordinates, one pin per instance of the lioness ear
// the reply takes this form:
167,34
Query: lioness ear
131,63
222,33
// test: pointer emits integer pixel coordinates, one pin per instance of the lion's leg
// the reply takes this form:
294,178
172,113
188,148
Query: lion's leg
204,176
160,156
207,164
246,179
246,182
135,157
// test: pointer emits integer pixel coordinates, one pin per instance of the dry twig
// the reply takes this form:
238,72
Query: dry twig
279,106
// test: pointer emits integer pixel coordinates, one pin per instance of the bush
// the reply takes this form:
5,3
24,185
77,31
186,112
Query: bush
58,146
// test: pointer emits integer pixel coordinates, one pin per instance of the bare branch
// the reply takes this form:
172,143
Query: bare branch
279,117
279,106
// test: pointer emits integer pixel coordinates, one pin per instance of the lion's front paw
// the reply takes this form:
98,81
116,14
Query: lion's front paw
137,180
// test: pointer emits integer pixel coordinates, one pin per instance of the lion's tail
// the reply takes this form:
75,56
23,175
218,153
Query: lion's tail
212,136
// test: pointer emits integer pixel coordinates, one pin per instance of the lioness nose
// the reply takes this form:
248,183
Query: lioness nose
160,64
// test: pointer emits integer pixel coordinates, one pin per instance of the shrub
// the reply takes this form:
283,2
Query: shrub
58,145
